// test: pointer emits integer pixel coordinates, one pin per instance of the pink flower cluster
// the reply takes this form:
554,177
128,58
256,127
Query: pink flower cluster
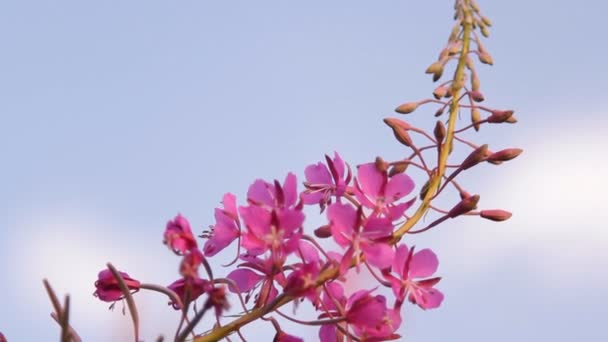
278,257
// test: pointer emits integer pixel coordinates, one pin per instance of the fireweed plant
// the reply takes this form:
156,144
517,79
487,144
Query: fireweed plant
369,210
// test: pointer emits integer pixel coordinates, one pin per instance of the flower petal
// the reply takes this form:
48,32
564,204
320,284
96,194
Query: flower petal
424,264
245,280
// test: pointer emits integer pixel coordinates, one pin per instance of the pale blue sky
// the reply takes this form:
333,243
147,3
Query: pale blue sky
116,115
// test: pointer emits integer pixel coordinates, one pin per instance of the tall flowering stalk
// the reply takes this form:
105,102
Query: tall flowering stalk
369,209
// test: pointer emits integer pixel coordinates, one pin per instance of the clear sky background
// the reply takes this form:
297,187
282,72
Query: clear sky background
116,115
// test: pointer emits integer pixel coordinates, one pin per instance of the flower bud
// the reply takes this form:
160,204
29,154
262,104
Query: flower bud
485,58
393,122
381,165
323,232
464,206
511,119
486,21
495,215
500,116
407,108
439,111
398,167
485,31
475,83
440,92
439,131
476,96
475,118
477,156
400,130
504,155
434,68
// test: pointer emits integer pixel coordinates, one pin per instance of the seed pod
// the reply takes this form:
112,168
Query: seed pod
464,206
407,108
476,157
496,215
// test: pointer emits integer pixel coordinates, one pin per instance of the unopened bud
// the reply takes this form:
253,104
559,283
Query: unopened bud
407,108
504,155
476,157
439,131
323,232
475,83
485,58
511,119
500,116
440,92
485,31
463,194
424,190
454,48
475,118
444,54
486,21
464,206
381,165
434,68
437,75
457,84
399,130
439,111
476,96
398,167
455,32
496,215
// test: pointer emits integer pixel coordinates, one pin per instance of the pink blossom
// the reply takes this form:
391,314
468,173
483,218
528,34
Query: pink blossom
107,288
178,235
217,300
273,219
411,266
247,280
324,181
226,229
368,236
375,190
190,289
283,337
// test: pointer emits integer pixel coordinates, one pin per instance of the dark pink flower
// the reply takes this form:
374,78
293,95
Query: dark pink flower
246,280
273,219
368,236
411,266
226,229
324,181
375,190
301,282
217,300
178,235
189,289
107,288
191,263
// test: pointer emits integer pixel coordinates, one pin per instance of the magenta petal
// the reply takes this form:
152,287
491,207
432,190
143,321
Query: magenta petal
290,220
430,299
370,179
424,264
309,253
378,254
229,202
290,190
313,197
317,174
256,219
396,212
338,164
327,333
398,186
260,192
244,278
400,260
343,218
376,227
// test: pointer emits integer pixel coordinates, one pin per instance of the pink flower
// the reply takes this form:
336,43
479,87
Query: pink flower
324,181
190,289
301,282
410,266
191,263
107,288
226,229
273,219
368,236
217,300
375,190
178,235
368,316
